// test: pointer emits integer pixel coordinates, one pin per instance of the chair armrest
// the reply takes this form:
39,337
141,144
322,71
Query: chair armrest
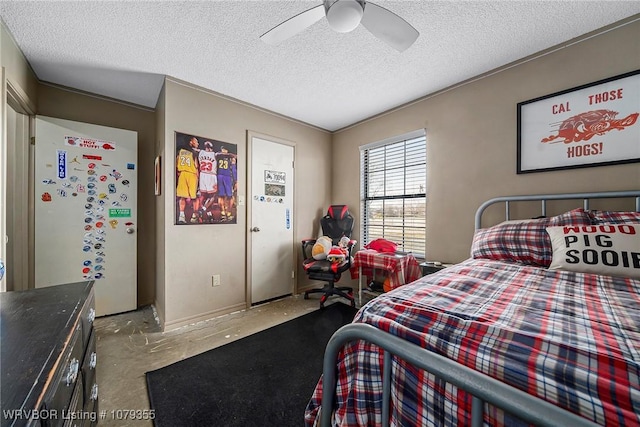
350,247
307,246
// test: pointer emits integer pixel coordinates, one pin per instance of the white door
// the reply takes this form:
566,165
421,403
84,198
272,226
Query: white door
86,209
270,220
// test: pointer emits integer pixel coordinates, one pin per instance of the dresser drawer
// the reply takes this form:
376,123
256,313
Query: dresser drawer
74,415
87,316
92,409
66,377
89,373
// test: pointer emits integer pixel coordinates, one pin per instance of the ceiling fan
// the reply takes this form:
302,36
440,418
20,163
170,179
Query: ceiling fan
344,16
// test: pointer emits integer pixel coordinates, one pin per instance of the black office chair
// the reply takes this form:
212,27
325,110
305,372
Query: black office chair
337,223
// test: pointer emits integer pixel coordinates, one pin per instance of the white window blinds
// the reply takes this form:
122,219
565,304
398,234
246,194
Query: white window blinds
393,192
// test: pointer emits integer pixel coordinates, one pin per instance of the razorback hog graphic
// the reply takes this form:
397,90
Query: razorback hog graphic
585,126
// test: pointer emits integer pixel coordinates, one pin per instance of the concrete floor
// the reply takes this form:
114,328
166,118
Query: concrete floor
130,344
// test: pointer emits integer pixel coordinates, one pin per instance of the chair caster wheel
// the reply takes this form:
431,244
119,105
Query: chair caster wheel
322,301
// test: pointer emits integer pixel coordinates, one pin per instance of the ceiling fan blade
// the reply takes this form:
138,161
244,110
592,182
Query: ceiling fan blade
388,27
294,25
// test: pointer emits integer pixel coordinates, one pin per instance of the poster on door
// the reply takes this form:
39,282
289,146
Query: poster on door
206,180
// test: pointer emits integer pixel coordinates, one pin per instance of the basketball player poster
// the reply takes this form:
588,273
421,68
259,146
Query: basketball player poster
206,180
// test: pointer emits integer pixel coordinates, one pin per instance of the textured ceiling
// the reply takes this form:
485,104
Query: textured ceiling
123,49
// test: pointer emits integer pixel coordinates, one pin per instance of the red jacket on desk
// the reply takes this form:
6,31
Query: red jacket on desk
382,245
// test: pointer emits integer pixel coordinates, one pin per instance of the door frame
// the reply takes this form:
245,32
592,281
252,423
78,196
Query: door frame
17,100
249,223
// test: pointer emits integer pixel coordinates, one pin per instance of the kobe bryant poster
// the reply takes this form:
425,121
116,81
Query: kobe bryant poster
206,180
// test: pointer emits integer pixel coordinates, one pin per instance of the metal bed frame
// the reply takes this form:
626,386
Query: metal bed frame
482,387
543,198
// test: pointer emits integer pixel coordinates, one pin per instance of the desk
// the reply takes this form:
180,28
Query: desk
401,269
430,267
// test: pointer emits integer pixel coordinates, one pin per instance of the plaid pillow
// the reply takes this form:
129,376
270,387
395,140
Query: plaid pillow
526,242
613,217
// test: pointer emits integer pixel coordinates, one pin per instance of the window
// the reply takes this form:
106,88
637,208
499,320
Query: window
393,191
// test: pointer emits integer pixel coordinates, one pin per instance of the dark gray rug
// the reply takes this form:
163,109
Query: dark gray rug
264,379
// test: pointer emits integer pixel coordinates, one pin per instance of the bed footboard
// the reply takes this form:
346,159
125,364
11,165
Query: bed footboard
483,388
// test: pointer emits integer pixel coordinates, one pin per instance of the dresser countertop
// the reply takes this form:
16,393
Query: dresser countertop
34,326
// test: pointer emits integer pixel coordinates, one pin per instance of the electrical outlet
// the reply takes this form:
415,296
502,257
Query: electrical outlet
215,280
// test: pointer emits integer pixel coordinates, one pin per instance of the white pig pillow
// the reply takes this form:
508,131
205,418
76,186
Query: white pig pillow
606,249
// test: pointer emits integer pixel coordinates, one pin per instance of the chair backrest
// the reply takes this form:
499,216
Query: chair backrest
337,222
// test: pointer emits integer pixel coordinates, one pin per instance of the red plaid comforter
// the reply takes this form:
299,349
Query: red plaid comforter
572,339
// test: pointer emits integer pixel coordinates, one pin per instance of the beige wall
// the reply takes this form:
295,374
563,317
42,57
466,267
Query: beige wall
159,208
56,102
193,254
52,101
471,133
18,73
471,139
18,85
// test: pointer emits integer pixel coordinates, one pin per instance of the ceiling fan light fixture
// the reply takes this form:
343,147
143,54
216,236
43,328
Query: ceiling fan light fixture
345,15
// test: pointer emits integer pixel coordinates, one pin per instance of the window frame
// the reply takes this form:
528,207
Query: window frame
365,178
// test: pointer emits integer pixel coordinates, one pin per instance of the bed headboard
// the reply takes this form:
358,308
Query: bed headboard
543,198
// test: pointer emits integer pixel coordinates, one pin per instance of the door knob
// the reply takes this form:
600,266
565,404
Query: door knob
255,229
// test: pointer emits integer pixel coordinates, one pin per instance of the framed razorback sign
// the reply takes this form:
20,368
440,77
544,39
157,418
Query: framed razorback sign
590,125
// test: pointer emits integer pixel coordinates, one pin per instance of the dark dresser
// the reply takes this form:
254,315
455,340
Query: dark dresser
48,357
